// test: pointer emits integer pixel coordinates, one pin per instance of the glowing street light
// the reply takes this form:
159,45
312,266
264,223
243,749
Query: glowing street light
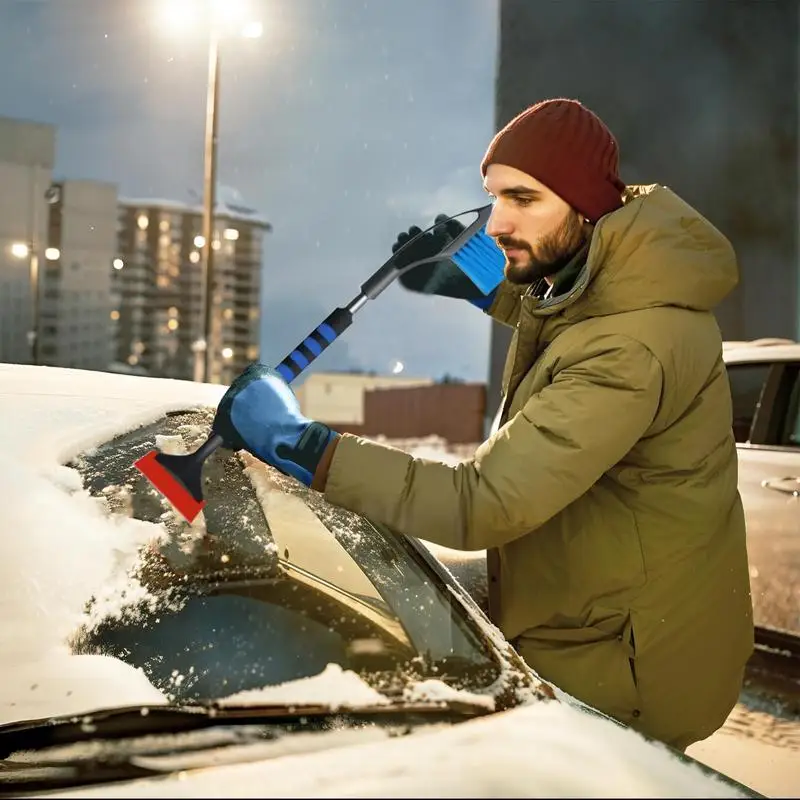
223,19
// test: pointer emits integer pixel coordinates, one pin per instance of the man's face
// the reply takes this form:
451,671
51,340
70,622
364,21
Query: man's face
537,230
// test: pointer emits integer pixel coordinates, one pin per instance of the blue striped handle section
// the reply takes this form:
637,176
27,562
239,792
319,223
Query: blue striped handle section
335,324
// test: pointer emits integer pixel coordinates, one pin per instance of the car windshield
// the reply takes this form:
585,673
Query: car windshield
271,584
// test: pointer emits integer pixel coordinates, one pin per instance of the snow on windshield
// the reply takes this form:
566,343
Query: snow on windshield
333,686
60,546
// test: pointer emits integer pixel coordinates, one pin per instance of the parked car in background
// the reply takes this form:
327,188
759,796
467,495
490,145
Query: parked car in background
278,646
765,387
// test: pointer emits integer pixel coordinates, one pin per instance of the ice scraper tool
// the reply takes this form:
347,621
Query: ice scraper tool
178,478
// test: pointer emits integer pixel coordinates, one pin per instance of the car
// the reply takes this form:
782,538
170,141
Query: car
765,386
276,646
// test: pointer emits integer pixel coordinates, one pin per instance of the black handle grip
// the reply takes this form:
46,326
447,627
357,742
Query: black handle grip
333,326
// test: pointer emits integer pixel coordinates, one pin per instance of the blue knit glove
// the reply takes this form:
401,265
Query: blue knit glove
260,414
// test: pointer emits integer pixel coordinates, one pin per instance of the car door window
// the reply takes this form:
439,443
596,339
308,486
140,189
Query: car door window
747,383
789,423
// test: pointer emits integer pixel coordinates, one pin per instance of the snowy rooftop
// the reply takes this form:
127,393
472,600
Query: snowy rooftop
229,205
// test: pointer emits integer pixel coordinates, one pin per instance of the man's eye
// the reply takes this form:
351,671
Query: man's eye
523,201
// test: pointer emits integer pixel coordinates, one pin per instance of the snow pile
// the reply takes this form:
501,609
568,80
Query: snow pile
542,750
334,687
436,691
60,546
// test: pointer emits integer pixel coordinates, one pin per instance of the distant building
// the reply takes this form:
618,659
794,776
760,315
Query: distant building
338,398
27,155
158,283
397,409
76,308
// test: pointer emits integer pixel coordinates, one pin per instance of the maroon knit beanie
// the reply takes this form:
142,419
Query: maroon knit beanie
566,147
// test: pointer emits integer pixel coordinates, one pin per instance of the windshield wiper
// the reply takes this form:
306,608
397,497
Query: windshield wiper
127,721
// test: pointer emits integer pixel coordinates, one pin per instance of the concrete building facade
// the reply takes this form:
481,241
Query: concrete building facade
76,309
337,398
157,285
27,155
696,105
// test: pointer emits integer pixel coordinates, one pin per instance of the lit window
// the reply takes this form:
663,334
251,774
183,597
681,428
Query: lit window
142,222
199,241
172,324
118,263
115,315
228,313
231,234
173,311
194,257
19,250
52,254
227,352
163,225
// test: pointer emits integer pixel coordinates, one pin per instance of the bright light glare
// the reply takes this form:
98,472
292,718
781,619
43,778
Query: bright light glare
52,254
177,16
398,367
228,12
19,250
227,352
253,30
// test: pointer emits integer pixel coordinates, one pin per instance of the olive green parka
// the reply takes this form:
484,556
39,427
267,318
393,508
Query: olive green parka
607,498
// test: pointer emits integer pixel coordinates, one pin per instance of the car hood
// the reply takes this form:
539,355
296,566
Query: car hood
544,749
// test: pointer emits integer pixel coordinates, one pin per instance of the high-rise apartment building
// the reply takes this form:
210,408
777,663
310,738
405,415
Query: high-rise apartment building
27,154
76,306
157,282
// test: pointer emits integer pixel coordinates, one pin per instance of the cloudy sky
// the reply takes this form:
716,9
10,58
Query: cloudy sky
348,121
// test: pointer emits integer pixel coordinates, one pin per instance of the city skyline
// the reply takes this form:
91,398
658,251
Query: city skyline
342,126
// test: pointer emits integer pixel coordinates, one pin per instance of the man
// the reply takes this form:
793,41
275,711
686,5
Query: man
607,498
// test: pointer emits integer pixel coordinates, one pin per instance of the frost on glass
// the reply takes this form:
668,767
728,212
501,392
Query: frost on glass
270,584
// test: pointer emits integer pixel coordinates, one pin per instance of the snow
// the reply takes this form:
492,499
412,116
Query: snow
226,207
60,546
334,686
436,691
541,750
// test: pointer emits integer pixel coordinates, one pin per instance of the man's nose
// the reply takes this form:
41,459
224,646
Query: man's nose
498,224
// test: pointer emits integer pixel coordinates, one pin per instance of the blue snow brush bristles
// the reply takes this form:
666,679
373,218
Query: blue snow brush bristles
472,251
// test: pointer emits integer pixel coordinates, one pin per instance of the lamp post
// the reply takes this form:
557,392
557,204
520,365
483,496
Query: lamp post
224,17
209,201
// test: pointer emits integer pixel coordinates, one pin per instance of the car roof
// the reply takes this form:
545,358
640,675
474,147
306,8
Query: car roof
760,350
51,413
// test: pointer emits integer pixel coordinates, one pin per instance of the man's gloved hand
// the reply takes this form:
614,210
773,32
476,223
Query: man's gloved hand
443,277
260,413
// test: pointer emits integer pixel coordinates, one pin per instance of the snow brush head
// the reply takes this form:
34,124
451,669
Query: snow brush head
475,253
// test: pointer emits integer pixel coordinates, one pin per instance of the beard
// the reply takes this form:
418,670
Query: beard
553,251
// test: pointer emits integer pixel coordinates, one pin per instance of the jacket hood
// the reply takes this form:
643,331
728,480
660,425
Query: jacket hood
655,251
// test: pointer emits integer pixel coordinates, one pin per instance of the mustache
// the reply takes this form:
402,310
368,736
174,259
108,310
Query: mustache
507,243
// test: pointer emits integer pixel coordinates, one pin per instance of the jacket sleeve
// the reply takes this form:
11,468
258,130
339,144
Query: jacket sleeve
551,452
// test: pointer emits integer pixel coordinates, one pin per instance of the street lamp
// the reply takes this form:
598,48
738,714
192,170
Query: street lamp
225,18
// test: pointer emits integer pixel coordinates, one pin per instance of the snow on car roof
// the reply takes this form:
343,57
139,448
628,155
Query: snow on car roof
49,413
59,545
